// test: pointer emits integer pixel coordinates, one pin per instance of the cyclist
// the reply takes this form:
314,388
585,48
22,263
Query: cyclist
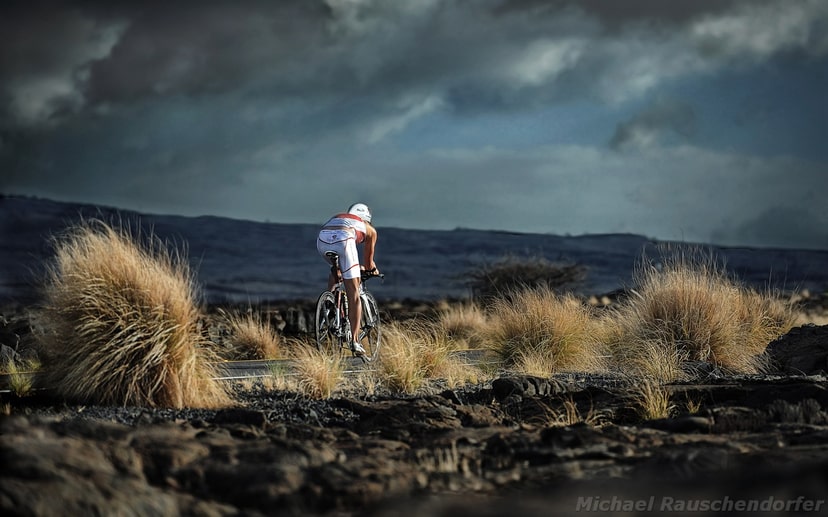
341,234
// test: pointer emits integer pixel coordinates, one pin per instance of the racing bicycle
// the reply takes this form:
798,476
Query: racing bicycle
333,329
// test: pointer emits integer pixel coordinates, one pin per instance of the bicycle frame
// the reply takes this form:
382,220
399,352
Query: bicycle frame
343,324
333,327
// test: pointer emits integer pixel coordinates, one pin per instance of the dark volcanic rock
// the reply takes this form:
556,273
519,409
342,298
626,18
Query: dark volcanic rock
524,386
803,350
15,334
463,451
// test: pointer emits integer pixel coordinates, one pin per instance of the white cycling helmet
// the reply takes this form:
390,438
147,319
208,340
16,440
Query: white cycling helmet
360,210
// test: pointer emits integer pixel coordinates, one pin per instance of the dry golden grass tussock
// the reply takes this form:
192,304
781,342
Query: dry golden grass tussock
656,358
540,330
20,383
441,362
24,365
318,374
363,383
463,323
281,377
252,337
690,306
763,317
692,406
400,368
414,353
123,323
569,414
650,399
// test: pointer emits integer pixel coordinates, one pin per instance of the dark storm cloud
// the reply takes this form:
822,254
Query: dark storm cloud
235,107
614,14
44,52
58,59
213,47
476,56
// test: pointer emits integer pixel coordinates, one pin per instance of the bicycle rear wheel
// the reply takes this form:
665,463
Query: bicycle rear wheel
328,339
370,334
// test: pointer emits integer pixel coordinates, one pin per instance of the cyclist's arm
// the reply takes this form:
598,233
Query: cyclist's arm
370,244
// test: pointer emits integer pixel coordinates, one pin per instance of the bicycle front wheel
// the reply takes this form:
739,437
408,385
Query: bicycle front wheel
370,334
328,338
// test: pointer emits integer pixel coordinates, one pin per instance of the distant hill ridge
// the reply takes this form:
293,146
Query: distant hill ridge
241,260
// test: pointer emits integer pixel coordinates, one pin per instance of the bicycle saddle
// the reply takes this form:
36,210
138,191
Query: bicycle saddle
332,256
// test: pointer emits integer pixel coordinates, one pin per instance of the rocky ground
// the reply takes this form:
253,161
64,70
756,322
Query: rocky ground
488,449
517,445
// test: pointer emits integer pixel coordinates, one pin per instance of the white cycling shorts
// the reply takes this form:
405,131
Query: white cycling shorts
342,242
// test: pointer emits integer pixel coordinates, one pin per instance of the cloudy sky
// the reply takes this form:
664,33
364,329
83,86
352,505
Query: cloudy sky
699,121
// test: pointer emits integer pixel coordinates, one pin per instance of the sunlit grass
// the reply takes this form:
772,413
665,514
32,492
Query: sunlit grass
281,378
650,399
542,332
687,309
121,316
318,374
570,414
251,337
415,353
20,382
462,323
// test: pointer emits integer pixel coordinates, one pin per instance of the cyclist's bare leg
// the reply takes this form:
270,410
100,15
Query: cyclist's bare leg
354,304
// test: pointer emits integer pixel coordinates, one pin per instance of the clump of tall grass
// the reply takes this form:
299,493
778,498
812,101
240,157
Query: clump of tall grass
538,331
657,360
462,323
413,353
318,374
121,320
569,414
365,383
281,378
400,368
20,364
20,383
650,399
810,308
251,337
688,309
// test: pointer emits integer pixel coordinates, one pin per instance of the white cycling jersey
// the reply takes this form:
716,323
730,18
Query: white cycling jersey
347,222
